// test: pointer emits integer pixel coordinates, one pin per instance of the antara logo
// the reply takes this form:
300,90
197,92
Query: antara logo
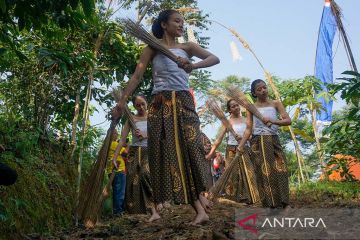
293,222
286,222
247,227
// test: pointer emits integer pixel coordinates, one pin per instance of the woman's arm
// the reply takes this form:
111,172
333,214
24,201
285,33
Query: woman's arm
247,133
135,79
208,59
285,118
124,133
216,143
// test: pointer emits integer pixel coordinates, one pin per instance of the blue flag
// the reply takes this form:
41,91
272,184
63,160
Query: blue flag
323,61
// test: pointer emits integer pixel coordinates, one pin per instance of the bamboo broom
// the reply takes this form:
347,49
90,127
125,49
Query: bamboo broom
90,197
214,107
139,32
220,184
240,97
93,195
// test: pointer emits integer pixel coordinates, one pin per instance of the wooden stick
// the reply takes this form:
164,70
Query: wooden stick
139,32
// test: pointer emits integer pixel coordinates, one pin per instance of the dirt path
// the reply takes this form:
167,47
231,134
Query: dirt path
174,223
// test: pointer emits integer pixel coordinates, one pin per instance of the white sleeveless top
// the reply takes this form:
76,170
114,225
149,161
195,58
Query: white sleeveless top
142,126
259,128
239,128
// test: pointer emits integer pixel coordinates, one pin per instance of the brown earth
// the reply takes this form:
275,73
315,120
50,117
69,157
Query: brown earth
174,222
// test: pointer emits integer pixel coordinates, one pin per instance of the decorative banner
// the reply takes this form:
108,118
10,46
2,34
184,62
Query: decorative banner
235,52
323,61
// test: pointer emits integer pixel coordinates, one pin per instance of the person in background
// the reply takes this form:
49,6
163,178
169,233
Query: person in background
139,193
119,182
238,182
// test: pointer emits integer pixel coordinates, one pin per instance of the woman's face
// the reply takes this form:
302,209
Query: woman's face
234,108
140,105
261,90
175,25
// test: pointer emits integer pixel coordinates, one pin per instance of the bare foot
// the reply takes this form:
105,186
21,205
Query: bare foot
159,207
205,203
200,218
155,216
167,204
286,209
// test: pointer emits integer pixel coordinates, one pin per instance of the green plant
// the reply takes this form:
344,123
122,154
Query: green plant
343,134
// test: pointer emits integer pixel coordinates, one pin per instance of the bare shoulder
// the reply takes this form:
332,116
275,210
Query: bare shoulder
275,103
148,51
187,47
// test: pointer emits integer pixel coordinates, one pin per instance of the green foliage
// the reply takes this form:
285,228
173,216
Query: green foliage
341,164
327,193
343,133
33,14
42,198
49,50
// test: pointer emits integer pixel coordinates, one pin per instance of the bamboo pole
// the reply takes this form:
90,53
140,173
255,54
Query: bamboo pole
85,118
337,13
74,124
276,93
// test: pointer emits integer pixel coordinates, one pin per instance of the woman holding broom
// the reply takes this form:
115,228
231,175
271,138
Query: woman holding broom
176,155
238,182
138,194
270,161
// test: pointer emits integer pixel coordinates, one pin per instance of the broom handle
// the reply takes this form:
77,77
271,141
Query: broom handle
131,119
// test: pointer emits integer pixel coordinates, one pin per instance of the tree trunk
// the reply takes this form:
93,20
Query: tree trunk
74,125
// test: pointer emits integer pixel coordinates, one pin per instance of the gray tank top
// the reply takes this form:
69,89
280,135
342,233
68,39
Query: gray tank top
142,126
167,76
260,128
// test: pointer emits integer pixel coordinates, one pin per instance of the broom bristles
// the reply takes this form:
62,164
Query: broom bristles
224,178
139,32
90,197
240,97
214,107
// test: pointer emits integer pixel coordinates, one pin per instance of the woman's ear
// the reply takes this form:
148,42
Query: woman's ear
163,25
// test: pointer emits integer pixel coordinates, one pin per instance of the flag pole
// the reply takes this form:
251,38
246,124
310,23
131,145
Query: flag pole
337,13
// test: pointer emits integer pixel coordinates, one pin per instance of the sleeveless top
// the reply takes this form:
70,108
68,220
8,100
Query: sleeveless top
260,128
142,126
167,76
239,128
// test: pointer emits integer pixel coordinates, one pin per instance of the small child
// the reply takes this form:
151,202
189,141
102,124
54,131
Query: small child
119,182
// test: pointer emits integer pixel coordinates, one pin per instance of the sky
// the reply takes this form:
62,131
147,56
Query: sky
283,35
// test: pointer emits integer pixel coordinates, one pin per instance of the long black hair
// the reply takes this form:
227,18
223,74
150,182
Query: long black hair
164,16
253,86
